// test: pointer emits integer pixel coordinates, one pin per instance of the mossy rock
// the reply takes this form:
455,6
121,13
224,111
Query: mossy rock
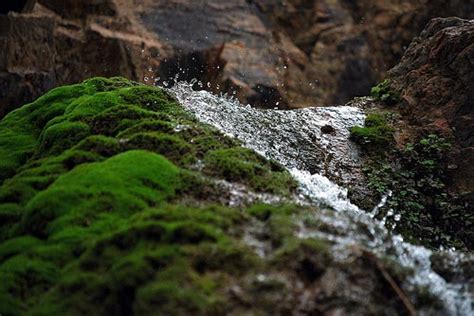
417,176
376,132
385,93
110,204
104,211
243,165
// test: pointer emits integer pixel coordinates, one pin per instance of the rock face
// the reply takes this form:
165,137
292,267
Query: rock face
436,81
292,54
41,50
17,6
418,142
295,53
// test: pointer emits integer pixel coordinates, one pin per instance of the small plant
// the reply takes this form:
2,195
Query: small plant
417,177
383,92
375,132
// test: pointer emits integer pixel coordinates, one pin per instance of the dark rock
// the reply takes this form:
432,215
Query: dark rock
335,50
42,50
81,9
16,6
327,129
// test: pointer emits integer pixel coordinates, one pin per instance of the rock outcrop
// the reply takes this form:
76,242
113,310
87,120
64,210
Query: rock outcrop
419,144
111,203
42,49
292,54
436,80
17,6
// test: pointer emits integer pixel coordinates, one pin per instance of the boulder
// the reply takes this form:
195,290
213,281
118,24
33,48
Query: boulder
110,215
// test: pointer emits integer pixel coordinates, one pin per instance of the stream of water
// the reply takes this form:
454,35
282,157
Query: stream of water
295,140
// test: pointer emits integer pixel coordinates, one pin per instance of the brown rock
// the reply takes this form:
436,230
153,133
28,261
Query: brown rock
290,53
436,80
42,50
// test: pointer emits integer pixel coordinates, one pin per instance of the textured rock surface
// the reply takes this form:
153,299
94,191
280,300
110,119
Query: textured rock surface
292,54
436,81
426,106
41,50
297,53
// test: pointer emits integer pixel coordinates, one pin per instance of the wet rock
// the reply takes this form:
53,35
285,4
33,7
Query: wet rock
327,129
426,165
115,201
335,50
248,47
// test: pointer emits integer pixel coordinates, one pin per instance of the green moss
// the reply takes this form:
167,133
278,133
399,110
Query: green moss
20,129
23,279
101,145
295,248
61,136
383,92
17,245
376,132
172,248
242,165
309,258
114,120
278,219
108,84
16,145
174,147
147,125
105,186
107,205
417,176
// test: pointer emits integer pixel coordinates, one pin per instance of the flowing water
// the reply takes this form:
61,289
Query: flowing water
295,140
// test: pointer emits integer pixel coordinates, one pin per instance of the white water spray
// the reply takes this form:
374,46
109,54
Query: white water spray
295,140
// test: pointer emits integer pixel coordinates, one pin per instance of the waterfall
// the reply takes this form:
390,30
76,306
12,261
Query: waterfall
295,140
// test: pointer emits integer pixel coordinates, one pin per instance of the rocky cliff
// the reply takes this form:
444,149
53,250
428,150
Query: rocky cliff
294,54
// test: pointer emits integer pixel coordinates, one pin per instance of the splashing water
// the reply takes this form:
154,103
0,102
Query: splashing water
295,140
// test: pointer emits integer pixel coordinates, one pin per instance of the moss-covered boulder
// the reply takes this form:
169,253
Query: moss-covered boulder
111,202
